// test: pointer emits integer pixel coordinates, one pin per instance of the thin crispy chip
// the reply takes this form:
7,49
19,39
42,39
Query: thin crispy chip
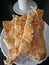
25,36
7,26
40,12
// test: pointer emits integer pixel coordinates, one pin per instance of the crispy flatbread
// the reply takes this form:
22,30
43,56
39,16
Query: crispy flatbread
24,36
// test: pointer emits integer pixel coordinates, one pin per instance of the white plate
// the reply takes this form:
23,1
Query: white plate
18,11
25,60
